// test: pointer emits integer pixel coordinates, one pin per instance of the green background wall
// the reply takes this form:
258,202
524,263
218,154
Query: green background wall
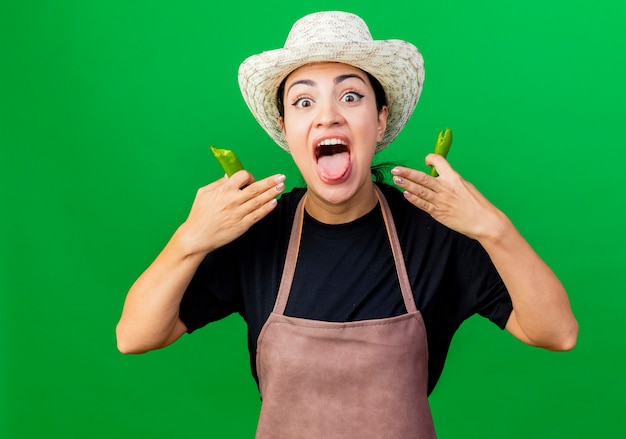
107,109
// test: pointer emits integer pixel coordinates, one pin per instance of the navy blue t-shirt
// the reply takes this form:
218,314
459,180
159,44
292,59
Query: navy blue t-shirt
346,272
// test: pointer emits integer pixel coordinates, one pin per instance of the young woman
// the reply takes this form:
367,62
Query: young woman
351,290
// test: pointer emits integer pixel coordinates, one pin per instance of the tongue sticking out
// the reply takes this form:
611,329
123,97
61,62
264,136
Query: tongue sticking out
333,166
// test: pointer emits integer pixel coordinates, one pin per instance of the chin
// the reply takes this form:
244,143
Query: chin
336,193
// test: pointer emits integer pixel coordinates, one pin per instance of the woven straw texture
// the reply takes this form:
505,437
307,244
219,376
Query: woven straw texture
336,37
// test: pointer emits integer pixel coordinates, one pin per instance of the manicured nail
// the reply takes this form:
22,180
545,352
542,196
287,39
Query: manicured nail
396,171
398,180
407,194
279,187
279,178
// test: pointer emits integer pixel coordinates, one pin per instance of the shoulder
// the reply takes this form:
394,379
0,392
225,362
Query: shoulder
286,208
424,237
417,229
289,200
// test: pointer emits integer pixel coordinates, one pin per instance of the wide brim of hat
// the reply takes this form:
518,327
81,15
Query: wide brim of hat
396,64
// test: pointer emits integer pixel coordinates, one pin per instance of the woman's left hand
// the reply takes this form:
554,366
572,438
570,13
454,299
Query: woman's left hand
541,314
449,198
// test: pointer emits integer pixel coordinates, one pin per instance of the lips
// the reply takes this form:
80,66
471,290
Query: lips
332,156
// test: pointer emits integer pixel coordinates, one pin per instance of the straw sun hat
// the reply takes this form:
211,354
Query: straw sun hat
336,37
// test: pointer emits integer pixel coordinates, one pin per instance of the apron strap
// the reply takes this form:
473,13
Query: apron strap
398,257
294,245
290,260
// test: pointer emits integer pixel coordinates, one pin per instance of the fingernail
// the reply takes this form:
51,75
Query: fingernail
398,180
407,194
279,178
396,171
279,187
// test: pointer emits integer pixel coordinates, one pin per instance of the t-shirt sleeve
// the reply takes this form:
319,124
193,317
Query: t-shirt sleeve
214,291
484,291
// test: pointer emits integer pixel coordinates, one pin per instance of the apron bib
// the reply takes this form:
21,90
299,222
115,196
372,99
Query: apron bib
362,379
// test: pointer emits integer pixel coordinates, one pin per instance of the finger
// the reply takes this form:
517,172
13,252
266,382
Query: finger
416,188
260,212
419,202
407,178
261,186
240,179
439,163
262,192
263,198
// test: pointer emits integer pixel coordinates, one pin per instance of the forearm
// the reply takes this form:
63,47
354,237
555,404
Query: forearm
150,313
221,212
542,314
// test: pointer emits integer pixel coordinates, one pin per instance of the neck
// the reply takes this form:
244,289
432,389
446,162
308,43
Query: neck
355,207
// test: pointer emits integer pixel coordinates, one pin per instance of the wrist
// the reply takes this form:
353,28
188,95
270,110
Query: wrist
185,243
495,229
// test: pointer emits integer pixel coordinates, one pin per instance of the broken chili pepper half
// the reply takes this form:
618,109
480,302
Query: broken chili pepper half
227,159
442,146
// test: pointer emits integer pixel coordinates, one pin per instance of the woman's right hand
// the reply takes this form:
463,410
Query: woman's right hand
221,211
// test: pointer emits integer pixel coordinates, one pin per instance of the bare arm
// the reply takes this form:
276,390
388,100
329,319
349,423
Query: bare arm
541,315
220,213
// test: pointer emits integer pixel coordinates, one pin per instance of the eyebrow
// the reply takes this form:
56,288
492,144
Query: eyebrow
342,78
302,81
337,80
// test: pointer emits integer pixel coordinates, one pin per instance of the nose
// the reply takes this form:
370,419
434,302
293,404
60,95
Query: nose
328,114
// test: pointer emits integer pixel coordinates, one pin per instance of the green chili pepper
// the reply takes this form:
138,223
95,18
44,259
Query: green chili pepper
442,146
227,160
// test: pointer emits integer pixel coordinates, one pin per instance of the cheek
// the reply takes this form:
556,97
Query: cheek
295,140
295,132
300,154
369,129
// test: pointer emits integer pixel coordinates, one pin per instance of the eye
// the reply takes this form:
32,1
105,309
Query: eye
302,102
351,96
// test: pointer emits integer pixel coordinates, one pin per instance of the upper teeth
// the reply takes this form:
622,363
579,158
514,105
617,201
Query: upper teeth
329,142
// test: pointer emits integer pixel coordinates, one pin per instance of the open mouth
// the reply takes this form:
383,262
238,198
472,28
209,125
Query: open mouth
333,159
